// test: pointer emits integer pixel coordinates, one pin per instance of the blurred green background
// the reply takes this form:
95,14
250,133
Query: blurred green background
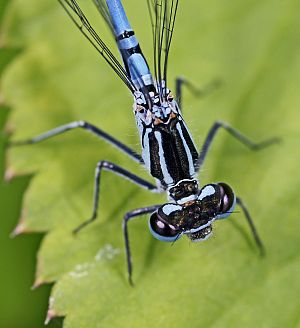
52,76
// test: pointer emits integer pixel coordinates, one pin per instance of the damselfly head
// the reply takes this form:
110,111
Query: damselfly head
193,218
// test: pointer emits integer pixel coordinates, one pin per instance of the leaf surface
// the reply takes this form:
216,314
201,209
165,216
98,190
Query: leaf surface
253,46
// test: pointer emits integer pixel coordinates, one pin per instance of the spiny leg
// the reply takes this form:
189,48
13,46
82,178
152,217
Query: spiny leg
198,92
252,226
86,126
105,165
128,216
236,134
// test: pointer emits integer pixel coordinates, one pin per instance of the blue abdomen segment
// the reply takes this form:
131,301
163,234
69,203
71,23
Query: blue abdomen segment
134,61
118,17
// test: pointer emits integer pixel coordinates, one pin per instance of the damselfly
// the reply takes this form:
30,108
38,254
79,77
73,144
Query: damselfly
168,150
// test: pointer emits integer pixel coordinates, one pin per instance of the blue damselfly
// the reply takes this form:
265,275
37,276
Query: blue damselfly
168,150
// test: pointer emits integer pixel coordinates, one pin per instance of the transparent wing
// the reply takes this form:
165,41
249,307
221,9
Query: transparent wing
79,19
102,7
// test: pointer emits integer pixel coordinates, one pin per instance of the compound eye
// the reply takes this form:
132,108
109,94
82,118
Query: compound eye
162,230
227,200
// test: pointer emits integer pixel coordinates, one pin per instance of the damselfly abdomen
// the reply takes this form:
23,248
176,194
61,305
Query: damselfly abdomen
168,150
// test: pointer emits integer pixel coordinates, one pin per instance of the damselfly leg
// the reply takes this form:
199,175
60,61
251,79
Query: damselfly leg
108,166
102,165
128,216
180,82
254,232
83,125
236,134
195,90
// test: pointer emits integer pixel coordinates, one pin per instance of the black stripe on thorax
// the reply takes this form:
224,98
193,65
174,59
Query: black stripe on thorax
155,167
189,142
174,151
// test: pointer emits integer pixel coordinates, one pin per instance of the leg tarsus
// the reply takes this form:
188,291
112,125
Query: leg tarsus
83,224
128,216
254,232
245,140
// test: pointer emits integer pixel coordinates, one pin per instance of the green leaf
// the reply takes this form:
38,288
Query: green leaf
253,47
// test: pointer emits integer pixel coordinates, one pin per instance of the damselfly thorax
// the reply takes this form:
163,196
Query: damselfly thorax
168,150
